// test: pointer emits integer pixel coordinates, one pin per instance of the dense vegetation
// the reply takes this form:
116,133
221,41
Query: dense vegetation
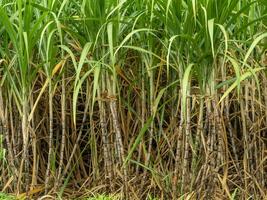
140,98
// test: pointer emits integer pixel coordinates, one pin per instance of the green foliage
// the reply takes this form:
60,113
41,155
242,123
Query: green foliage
101,197
6,197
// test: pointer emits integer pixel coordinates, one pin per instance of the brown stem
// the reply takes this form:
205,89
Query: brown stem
50,144
63,131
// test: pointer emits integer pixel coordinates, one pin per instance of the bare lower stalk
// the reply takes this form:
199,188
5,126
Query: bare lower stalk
106,143
151,129
107,146
34,151
25,156
143,118
177,162
264,175
50,144
246,112
198,138
63,131
4,121
185,174
219,133
245,145
119,144
211,151
178,155
230,130
12,130
253,140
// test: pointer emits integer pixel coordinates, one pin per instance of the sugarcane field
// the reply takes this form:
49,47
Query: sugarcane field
133,100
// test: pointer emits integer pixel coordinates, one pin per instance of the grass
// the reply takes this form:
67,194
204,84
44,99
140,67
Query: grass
143,98
97,197
101,197
6,197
